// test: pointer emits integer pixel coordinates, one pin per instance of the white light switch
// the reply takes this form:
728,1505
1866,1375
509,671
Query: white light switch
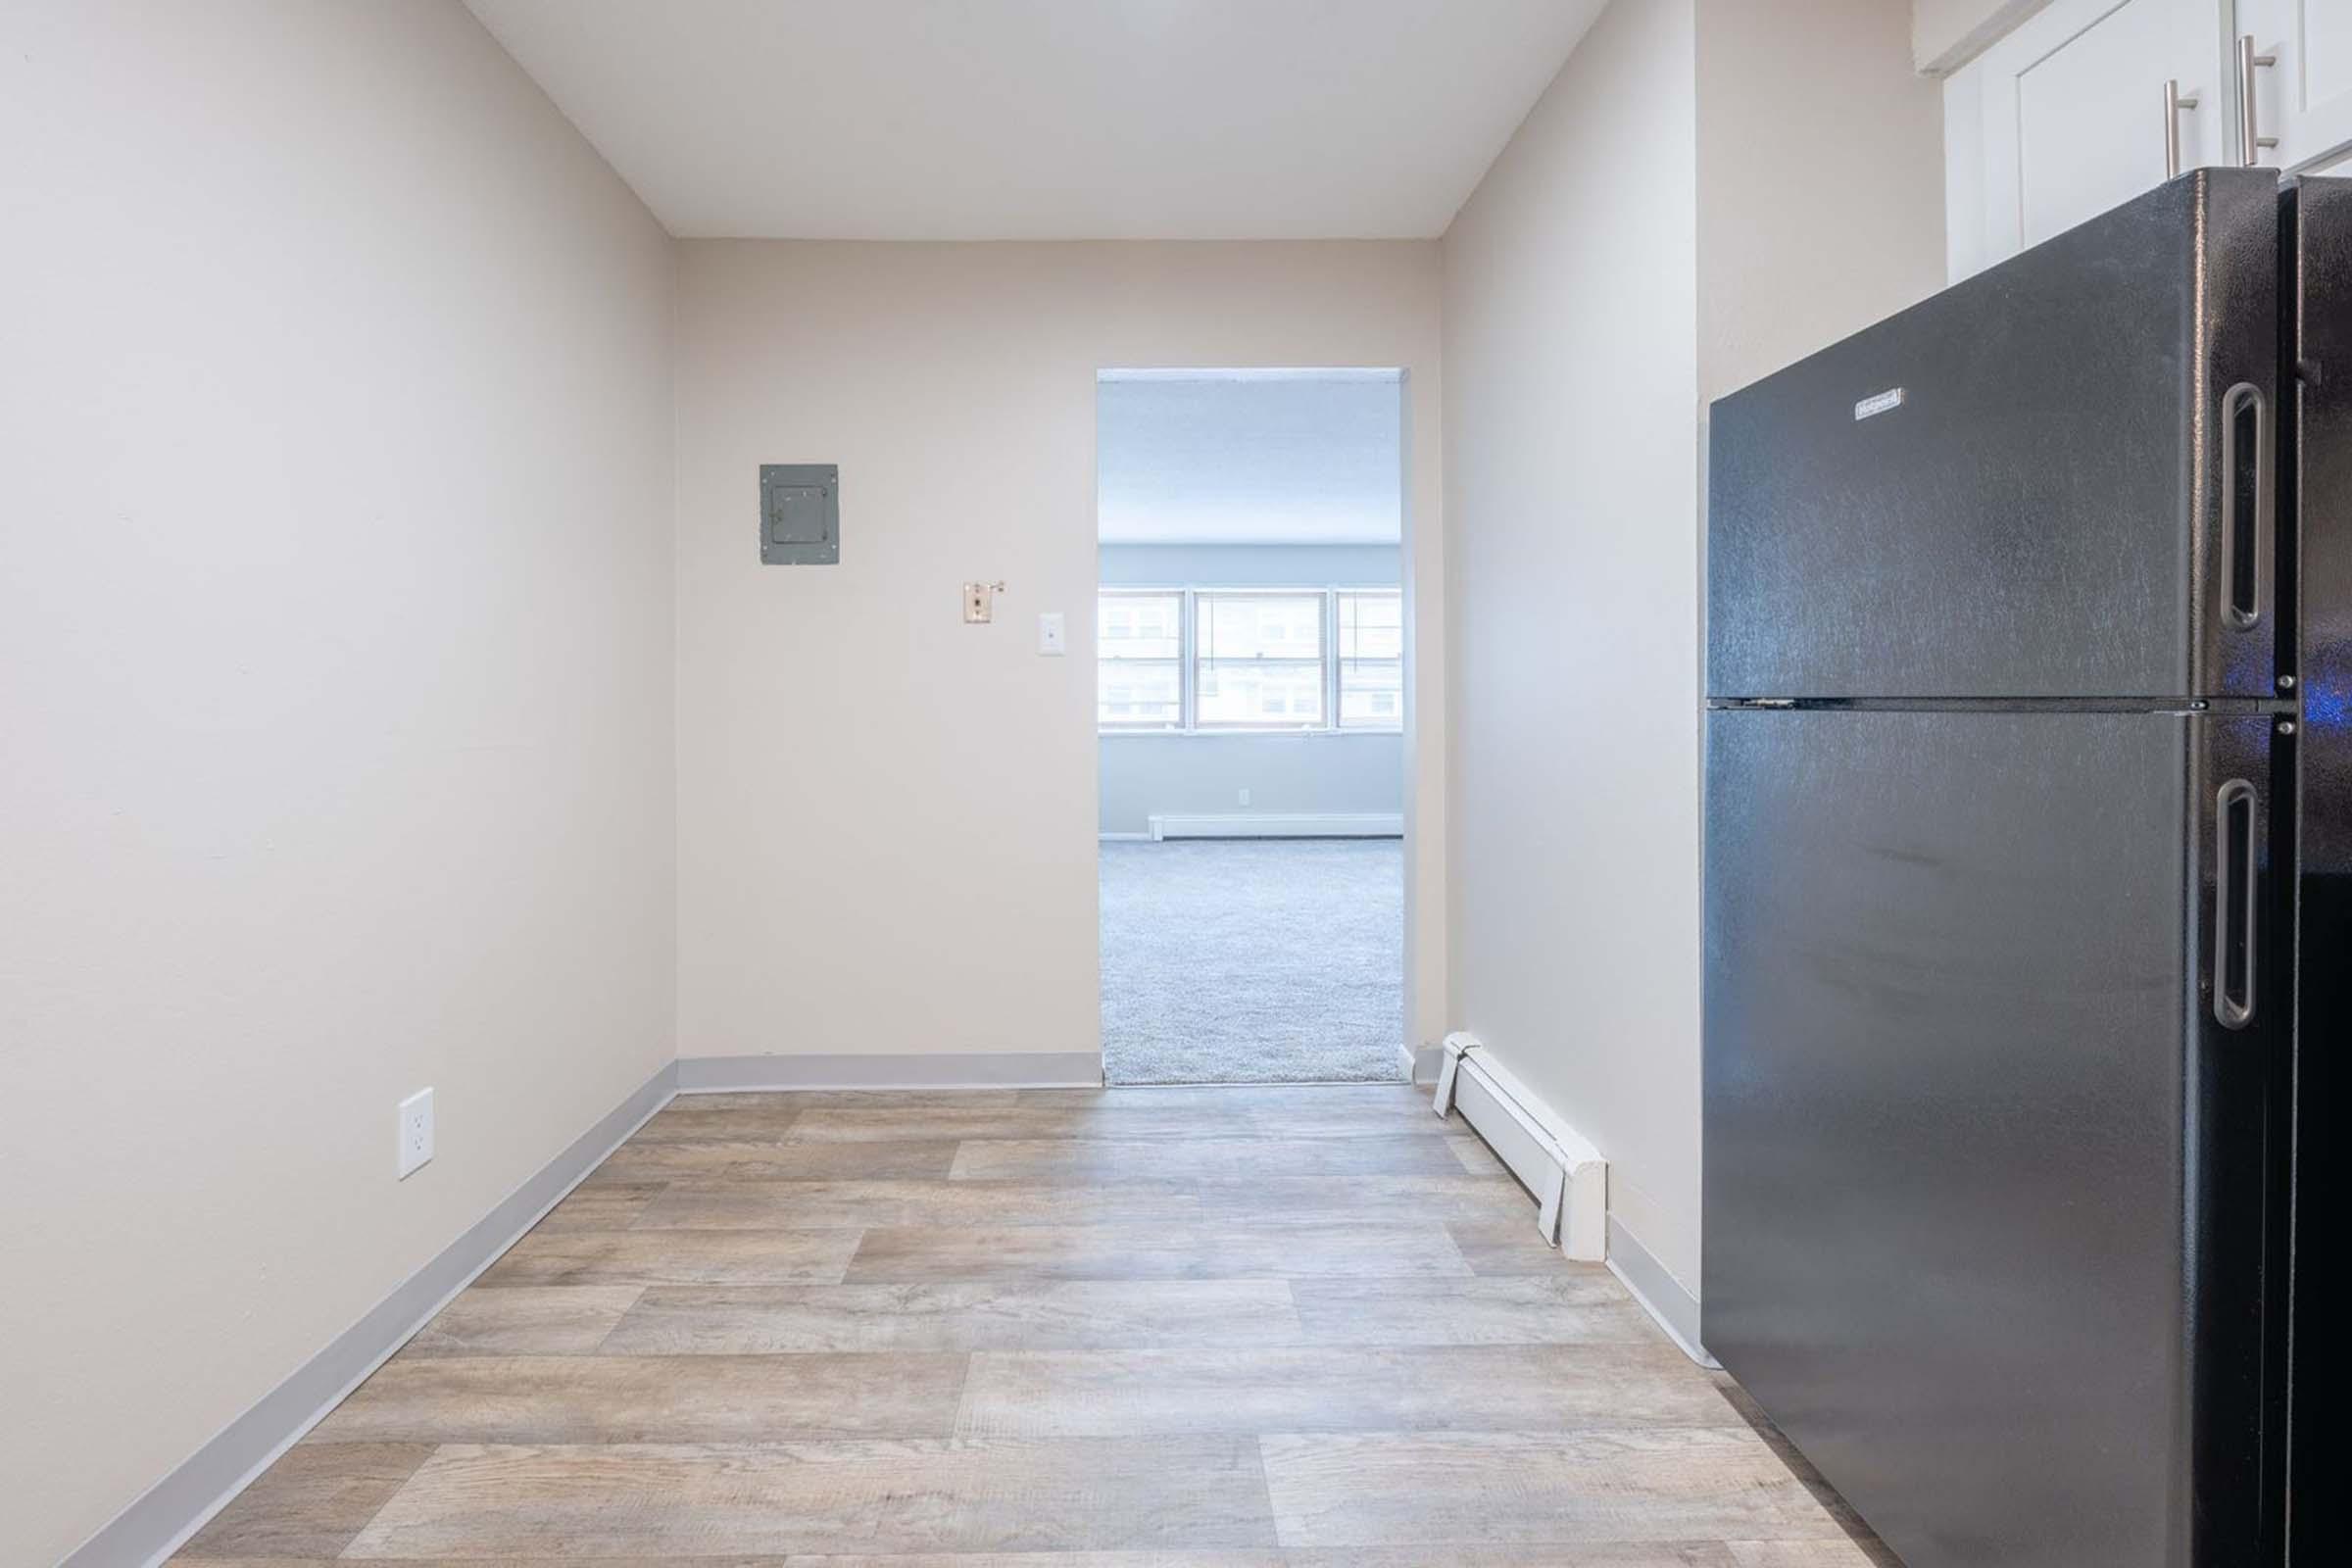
1050,637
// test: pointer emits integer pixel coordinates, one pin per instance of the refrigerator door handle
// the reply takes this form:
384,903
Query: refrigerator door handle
2249,501
2235,939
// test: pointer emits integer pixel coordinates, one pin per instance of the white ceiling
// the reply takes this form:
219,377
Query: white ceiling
1250,457
1045,119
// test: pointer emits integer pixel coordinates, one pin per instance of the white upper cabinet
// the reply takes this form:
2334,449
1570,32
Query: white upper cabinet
2303,94
2069,115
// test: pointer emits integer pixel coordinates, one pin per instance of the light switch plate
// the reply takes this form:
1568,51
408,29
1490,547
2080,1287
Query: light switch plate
1050,635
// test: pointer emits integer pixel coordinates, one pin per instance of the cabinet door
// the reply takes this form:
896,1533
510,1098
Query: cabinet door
2304,96
2066,117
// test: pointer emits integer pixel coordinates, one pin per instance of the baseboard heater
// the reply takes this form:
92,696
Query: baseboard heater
1550,1158
1275,825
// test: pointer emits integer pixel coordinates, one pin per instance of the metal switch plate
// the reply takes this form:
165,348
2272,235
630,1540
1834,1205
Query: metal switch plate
800,513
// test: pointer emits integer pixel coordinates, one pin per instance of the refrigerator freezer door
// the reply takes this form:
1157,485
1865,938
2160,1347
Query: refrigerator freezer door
2049,482
1960,1025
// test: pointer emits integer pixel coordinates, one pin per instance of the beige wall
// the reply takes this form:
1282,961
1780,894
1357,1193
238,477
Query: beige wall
345,549
1820,180
335,639
887,818
1688,207
1572,568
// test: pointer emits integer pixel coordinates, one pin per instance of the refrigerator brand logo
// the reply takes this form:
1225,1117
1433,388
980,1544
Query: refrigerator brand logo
1892,398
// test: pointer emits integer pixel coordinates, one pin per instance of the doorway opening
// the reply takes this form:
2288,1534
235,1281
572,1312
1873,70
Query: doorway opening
1251,704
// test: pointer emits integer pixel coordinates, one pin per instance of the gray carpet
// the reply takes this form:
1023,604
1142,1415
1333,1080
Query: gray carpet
1253,960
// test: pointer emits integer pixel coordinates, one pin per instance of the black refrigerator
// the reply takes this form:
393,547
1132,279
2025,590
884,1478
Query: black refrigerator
2028,839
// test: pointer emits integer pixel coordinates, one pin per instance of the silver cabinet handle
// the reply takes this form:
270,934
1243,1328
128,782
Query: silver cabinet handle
2250,138
2174,103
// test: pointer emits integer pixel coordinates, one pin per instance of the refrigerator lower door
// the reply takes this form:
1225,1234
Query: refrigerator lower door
1984,1197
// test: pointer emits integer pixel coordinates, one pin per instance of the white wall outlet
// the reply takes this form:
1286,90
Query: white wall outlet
1050,637
1245,797
415,1131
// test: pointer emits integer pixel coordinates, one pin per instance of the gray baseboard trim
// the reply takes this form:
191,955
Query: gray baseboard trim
1658,1291
1276,825
930,1069
1421,1066
175,1507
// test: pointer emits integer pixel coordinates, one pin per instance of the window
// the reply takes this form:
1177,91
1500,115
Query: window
1140,662
1371,660
1259,660
1192,660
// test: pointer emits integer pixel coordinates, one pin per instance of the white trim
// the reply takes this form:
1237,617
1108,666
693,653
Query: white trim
939,1069
1966,249
1658,1292
1133,732
1277,825
162,1518
1301,372
1243,1083
1450,1067
1555,1162
1996,23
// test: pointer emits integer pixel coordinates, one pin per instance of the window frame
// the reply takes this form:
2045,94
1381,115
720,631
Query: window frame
1328,595
1184,662
1200,598
1335,699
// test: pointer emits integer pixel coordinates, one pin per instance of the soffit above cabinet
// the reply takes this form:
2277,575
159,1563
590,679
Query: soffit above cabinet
1946,35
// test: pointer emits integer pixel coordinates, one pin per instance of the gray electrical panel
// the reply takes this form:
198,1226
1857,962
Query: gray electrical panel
800,513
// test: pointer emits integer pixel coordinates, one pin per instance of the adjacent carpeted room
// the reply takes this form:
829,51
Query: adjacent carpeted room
1253,960
1251,699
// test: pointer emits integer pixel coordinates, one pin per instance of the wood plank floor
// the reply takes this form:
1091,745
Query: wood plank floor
1154,1328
